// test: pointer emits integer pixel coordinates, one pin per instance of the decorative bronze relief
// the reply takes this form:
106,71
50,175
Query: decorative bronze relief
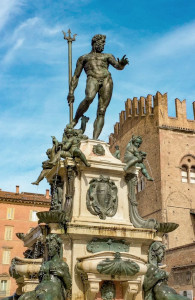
107,244
108,290
118,266
98,150
102,199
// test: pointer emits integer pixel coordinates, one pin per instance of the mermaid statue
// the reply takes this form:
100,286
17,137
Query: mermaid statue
54,276
155,282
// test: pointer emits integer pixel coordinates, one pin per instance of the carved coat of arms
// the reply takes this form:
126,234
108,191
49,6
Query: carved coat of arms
102,199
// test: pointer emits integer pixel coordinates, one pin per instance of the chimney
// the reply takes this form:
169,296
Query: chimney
47,194
17,189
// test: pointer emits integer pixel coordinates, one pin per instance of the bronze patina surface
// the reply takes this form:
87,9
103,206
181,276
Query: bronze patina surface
155,282
54,276
134,157
99,81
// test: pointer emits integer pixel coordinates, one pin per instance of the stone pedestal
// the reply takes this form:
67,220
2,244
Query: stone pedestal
100,244
87,223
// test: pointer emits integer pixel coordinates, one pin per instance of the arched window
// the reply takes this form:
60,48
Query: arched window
184,173
187,166
192,174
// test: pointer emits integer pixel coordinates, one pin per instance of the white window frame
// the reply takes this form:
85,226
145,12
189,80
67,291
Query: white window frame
8,233
192,174
33,216
10,213
6,257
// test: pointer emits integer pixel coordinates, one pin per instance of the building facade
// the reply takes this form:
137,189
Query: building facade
17,214
170,146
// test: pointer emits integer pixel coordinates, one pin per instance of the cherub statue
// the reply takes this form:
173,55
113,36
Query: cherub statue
155,281
47,165
54,276
70,145
134,157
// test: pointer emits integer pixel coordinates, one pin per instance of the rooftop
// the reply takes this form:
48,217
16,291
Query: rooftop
25,197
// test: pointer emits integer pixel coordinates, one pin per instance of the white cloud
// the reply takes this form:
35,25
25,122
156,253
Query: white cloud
9,8
35,41
177,41
11,52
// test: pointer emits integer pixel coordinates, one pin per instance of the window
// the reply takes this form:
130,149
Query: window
3,287
187,166
8,233
184,173
33,216
192,174
6,257
10,213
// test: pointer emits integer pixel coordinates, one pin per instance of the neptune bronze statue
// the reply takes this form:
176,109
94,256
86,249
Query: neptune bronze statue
99,81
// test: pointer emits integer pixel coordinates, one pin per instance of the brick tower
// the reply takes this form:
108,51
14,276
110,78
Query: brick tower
170,146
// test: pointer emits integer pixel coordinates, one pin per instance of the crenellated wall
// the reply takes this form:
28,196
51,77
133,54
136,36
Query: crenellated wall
155,107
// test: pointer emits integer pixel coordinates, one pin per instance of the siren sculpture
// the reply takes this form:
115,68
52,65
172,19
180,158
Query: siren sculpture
54,276
155,282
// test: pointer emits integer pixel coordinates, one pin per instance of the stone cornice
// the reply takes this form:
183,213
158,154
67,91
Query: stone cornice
28,202
191,245
173,128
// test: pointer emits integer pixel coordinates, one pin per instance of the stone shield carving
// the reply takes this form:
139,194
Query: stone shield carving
102,199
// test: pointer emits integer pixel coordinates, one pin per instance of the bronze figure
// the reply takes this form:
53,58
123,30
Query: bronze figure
108,290
54,276
155,282
134,157
70,145
117,153
99,81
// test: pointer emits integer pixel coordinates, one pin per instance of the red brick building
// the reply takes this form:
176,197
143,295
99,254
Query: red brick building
17,214
170,146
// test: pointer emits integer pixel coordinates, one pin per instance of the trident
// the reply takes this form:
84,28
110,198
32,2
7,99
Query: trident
69,41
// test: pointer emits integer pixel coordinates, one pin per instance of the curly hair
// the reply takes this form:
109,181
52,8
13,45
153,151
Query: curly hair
154,250
97,37
136,137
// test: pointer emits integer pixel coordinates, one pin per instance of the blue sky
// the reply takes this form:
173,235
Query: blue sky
157,37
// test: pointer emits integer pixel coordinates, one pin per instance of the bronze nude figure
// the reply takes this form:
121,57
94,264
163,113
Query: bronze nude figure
54,276
70,145
99,81
155,282
134,157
